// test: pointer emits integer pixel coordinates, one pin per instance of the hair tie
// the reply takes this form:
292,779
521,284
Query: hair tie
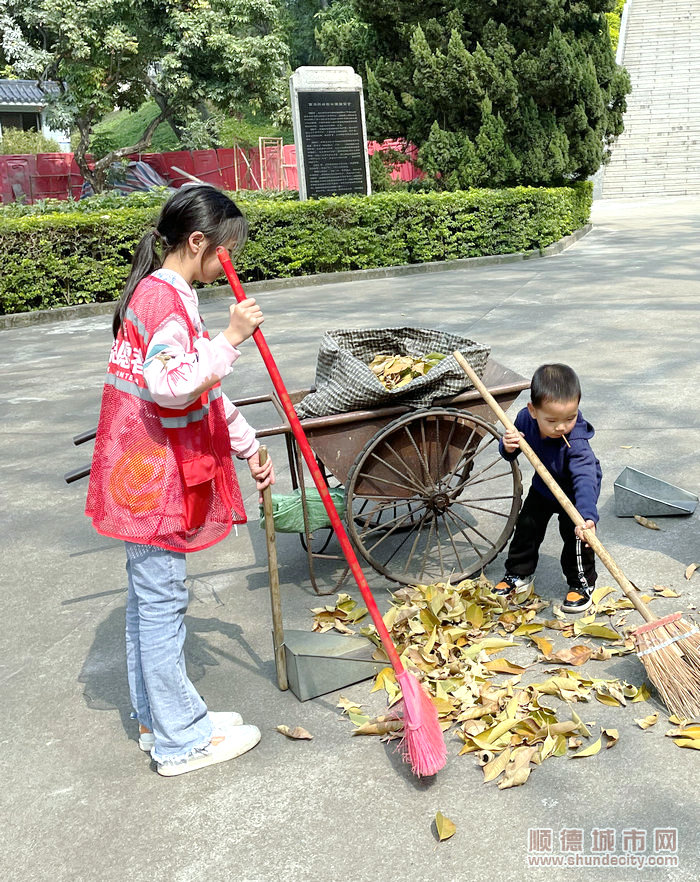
156,232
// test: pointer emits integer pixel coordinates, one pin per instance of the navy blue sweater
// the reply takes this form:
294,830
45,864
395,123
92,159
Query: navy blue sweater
575,469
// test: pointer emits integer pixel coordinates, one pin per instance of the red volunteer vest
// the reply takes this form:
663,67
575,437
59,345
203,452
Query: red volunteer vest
160,476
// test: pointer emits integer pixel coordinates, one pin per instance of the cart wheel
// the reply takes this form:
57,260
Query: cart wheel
429,498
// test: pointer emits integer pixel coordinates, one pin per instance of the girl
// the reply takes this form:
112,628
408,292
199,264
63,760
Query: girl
162,477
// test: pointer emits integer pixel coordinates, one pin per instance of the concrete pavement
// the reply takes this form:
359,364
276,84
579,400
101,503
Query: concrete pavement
81,803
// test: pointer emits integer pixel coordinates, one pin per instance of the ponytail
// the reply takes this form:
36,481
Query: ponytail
144,262
193,207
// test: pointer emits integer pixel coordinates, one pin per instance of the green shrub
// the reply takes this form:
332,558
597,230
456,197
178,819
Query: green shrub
81,253
18,142
614,18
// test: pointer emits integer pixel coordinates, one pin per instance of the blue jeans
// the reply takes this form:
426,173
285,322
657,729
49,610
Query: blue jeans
162,695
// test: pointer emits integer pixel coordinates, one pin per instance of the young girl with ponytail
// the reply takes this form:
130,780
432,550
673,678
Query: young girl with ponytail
162,476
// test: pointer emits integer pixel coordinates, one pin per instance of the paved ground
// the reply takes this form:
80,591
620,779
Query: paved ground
80,802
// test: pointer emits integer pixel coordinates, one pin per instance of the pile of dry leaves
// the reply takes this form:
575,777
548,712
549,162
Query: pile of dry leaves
454,637
394,371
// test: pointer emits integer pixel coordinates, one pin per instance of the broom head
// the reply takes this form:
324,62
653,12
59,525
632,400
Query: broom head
423,738
670,652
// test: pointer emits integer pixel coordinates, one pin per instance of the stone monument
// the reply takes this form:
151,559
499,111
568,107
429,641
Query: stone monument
328,113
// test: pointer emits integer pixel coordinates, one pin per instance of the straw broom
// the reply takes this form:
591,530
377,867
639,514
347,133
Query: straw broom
424,743
669,647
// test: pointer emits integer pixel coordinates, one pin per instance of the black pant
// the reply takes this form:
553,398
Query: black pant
577,559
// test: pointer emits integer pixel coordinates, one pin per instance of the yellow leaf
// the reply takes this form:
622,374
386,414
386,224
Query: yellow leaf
603,698
612,736
646,722
643,694
503,666
591,750
528,628
518,769
687,742
581,727
665,592
497,765
346,704
544,645
690,569
385,677
596,631
645,522
685,732
601,593
297,733
444,826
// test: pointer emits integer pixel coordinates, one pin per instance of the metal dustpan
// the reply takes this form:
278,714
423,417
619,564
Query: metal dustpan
320,663
639,494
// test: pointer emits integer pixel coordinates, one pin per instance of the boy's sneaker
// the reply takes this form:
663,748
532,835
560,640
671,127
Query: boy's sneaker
509,583
225,745
219,719
577,599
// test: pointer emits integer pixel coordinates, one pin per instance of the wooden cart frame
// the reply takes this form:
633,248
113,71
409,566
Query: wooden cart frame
428,497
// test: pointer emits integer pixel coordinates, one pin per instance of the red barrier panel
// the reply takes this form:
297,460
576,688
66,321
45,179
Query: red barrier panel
290,177
206,166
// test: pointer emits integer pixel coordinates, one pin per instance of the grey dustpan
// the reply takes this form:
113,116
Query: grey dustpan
320,663
637,493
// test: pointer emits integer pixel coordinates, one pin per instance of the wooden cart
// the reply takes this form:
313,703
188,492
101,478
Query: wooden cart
428,497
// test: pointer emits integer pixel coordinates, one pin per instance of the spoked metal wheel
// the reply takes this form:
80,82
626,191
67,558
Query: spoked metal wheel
429,498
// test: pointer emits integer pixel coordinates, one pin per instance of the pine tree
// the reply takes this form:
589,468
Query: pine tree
493,91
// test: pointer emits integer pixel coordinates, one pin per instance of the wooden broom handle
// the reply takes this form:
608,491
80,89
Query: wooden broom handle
273,572
628,588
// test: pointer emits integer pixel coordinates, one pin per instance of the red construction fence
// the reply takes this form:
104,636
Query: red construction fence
57,176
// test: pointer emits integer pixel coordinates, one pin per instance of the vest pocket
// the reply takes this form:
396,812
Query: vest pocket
198,485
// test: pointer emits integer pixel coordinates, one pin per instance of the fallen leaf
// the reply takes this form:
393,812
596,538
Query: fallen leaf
503,666
297,733
595,631
528,628
645,522
591,750
382,725
612,736
577,655
646,722
518,769
544,645
665,592
444,826
687,742
685,732
690,569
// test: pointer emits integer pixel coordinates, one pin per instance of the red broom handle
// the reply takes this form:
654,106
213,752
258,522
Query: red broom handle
310,459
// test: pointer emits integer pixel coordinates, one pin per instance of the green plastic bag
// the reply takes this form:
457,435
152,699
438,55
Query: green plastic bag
288,516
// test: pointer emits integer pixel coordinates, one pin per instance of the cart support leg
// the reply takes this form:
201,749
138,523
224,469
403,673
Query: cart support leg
275,602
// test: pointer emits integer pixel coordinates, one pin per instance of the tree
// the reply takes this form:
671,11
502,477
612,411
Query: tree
113,54
494,93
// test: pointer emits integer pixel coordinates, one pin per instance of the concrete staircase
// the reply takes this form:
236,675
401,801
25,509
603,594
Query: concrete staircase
658,154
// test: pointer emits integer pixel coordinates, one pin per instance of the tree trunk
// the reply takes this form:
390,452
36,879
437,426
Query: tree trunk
163,105
97,175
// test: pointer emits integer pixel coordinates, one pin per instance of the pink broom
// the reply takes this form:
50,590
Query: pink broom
423,738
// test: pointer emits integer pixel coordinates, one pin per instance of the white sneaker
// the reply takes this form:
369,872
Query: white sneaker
218,719
224,745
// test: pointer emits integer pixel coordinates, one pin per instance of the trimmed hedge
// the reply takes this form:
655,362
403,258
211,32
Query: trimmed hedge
58,259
